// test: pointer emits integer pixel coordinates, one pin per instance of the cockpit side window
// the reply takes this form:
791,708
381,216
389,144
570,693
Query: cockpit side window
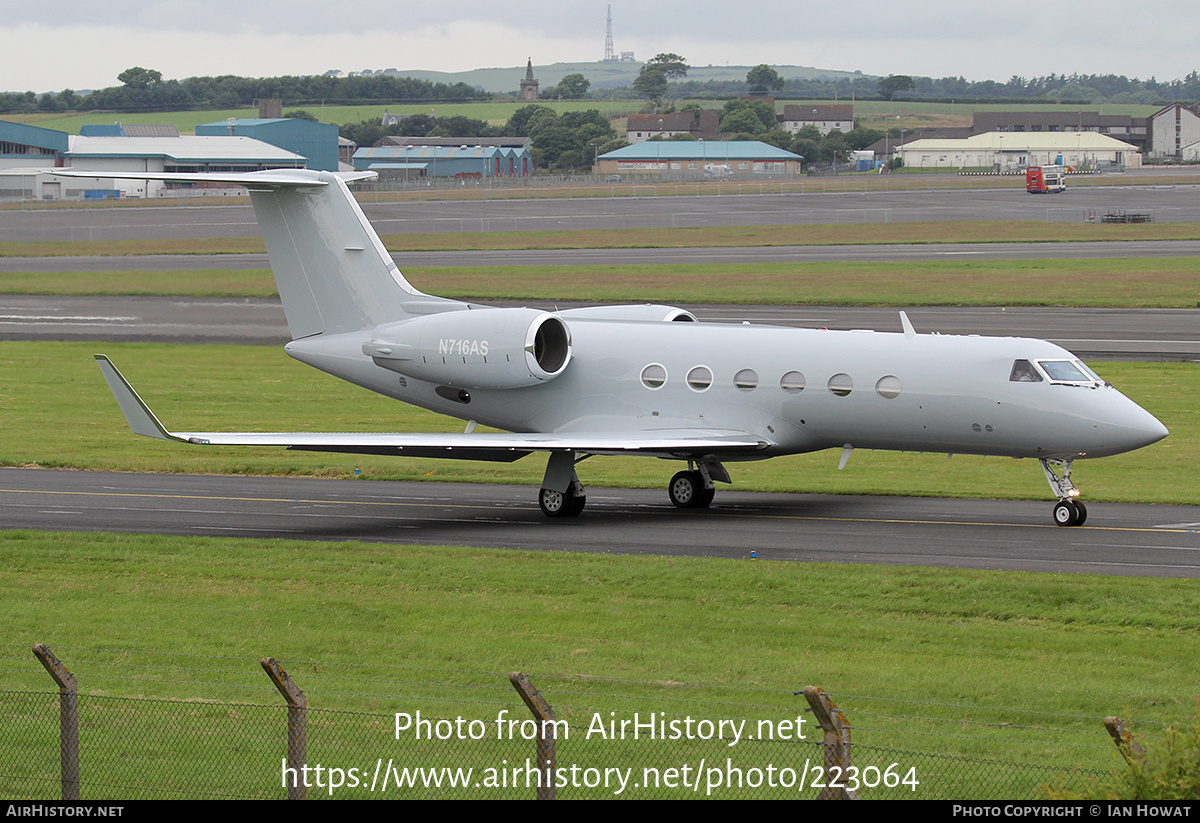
1024,372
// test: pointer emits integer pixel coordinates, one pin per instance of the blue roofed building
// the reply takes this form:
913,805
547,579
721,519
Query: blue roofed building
408,162
735,158
317,142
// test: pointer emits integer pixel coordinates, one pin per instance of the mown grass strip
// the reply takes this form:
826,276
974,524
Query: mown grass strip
1129,282
991,231
59,414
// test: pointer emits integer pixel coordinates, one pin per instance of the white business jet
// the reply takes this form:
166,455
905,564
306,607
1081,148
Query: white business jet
647,379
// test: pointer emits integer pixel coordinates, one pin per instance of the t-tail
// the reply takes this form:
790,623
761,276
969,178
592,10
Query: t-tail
332,270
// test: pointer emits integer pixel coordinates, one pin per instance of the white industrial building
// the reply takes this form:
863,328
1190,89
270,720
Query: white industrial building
1012,151
29,154
1174,134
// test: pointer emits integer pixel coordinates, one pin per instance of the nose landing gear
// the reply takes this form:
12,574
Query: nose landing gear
1068,511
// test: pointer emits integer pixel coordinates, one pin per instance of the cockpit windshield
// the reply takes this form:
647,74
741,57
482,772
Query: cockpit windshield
1064,371
1072,372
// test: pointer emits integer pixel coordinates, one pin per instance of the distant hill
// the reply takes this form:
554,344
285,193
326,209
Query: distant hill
602,75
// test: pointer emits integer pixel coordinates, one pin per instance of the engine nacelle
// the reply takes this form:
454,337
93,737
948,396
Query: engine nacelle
476,348
650,312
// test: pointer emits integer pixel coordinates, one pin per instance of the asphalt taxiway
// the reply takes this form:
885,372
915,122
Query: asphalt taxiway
1119,539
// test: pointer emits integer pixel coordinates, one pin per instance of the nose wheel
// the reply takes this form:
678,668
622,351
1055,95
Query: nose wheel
1069,513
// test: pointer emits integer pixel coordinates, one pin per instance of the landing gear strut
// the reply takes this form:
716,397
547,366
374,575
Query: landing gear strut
1068,511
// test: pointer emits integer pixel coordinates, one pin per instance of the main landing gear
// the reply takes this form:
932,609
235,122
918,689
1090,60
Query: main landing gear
562,495
1068,511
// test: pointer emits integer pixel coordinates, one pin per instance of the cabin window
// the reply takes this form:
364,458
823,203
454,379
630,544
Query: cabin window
841,384
699,378
654,376
746,380
1024,372
888,387
792,382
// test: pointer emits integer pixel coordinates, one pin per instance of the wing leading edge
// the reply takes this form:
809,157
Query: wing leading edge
494,446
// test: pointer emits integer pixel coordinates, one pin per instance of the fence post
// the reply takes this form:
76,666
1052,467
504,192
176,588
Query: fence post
68,720
297,745
1128,747
837,744
542,711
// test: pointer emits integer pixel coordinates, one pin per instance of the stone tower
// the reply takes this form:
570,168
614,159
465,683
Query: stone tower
529,86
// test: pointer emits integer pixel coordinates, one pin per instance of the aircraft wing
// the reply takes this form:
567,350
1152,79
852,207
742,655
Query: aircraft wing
500,446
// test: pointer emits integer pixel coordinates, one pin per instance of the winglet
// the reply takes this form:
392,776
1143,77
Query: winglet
136,412
907,325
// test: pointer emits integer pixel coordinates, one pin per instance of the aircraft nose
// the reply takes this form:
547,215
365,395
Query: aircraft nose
1134,428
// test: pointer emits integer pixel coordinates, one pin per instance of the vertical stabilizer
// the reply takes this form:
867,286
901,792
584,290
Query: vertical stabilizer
333,273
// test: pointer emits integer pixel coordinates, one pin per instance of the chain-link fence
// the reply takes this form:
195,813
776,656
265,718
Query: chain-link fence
605,739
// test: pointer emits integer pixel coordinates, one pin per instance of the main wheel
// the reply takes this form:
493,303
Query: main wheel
560,504
687,491
1065,513
683,488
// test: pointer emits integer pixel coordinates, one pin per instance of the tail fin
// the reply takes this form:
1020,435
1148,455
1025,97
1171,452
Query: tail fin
333,273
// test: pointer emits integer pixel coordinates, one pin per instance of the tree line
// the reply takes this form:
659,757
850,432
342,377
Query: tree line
146,90
564,143
1052,88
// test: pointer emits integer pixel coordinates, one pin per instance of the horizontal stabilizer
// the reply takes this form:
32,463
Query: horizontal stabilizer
495,446
268,178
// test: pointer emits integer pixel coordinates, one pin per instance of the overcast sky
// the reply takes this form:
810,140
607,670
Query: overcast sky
54,44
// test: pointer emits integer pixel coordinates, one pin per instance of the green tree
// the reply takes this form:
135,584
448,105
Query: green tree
671,65
893,84
762,111
651,81
300,114
741,121
762,78
140,78
573,86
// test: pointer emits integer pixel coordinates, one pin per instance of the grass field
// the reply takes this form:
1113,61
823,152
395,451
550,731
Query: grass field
1139,282
936,661
872,113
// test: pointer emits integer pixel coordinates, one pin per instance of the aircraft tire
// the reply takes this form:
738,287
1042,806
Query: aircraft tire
558,504
1082,509
1065,513
687,491
682,489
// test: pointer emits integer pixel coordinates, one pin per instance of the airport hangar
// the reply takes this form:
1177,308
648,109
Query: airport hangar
28,154
1013,151
743,157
